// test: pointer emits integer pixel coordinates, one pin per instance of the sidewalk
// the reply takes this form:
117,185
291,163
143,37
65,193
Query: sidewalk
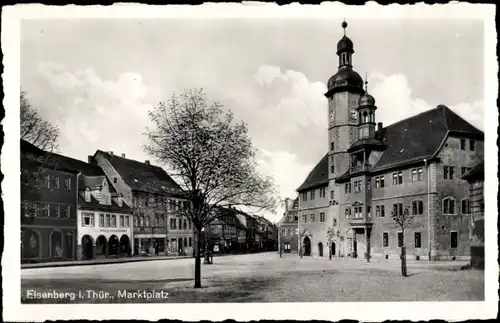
102,261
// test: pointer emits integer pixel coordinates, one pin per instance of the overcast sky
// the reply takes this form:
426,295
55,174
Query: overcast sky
97,79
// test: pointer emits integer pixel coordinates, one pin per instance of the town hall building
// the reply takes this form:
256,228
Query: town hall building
371,172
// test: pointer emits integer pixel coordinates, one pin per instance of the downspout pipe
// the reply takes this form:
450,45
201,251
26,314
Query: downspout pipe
428,208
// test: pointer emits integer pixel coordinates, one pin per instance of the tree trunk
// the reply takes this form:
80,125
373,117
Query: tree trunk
197,260
403,262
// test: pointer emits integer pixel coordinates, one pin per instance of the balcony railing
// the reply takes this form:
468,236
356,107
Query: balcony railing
361,168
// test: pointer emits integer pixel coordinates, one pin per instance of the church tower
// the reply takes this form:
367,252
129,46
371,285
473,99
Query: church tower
345,88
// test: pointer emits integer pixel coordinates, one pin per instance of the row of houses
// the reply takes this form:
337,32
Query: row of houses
111,206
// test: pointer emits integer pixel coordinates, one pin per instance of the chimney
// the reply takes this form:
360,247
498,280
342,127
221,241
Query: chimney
379,126
110,152
123,155
89,159
147,162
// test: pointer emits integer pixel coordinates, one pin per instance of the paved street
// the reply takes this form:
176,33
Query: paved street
262,278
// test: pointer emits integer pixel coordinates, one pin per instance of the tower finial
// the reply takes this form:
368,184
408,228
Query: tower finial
344,25
366,82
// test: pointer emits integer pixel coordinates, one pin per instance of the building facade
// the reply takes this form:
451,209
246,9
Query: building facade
105,222
288,228
371,172
48,206
157,202
475,178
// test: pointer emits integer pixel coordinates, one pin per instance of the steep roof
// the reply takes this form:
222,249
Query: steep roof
408,140
420,136
63,162
318,176
141,176
95,205
477,172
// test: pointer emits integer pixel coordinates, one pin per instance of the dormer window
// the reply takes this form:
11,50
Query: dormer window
108,199
87,195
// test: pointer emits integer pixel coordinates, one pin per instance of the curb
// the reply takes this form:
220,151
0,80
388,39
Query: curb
91,263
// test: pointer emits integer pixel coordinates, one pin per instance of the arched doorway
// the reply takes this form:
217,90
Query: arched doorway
113,245
30,245
307,246
56,244
101,245
87,245
333,248
125,244
320,249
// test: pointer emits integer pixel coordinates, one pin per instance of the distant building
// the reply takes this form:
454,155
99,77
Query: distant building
226,234
48,206
155,198
475,178
288,229
371,172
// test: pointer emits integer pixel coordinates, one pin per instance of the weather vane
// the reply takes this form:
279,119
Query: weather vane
366,82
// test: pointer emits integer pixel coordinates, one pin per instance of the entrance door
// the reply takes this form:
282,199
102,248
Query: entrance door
333,248
307,246
320,249
354,248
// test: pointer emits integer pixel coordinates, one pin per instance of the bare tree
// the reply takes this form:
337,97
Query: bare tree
34,129
211,156
403,220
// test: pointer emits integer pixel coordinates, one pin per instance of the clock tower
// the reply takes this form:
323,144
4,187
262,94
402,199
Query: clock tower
344,91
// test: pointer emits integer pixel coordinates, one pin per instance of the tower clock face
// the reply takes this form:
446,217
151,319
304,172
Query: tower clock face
332,116
354,114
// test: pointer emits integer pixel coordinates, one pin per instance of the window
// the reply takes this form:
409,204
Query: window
304,196
54,210
472,145
87,219
397,209
416,174
67,183
322,217
66,211
382,181
189,224
108,220
304,218
369,211
418,240
101,220
417,207
332,169
358,212
190,242
122,221
313,218
322,192
377,211
148,221
465,206
185,225
46,181
332,146
454,239
382,211
113,221
448,172
368,185
348,188
400,239
332,195
115,180
385,239
55,182
127,221
313,193
357,186
400,178
348,213
462,144
448,205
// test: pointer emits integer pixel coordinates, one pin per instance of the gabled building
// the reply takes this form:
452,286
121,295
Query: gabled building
288,229
156,200
105,225
48,206
371,172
